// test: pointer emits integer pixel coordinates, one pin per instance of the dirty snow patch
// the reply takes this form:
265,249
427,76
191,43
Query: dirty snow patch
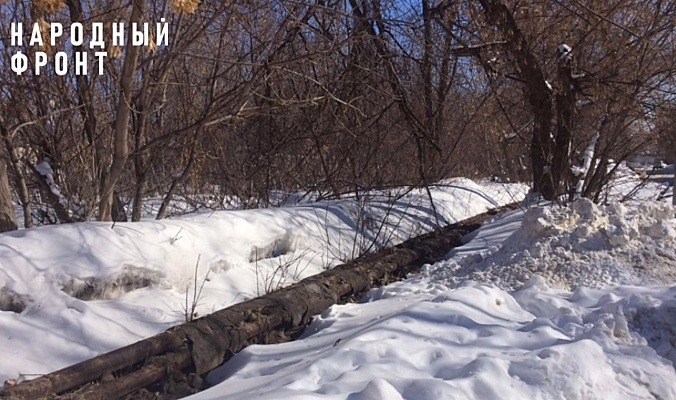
580,245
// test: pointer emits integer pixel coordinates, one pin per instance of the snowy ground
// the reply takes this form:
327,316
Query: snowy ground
543,303
71,292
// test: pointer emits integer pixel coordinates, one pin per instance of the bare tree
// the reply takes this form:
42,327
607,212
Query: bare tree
587,70
253,100
121,125
7,216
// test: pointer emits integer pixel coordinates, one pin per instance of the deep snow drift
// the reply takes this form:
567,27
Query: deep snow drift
547,302
71,292
420,340
580,245
460,331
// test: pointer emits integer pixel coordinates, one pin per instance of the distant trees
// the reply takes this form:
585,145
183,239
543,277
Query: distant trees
260,97
592,73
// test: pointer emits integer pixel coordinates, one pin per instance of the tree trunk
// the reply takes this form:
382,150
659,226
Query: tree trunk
21,185
565,107
85,98
537,92
118,212
53,199
123,112
7,216
426,67
20,177
141,162
137,205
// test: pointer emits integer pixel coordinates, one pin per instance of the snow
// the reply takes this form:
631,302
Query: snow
565,52
545,302
44,168
589,314
421,340
71,292
580,245
586,164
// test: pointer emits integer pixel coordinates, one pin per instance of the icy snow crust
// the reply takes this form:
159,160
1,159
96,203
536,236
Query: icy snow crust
580,245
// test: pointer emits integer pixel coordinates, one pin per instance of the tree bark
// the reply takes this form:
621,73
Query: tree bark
137,204
7,216
123,112
53,199
141,163
21,185
538,94
565,108
118,212
20,178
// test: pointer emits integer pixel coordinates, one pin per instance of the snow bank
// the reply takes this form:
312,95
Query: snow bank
461,331
420,340
547,303
71,292
580,245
